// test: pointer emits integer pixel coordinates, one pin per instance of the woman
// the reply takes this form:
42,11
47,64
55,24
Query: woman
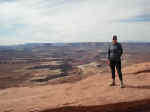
115,52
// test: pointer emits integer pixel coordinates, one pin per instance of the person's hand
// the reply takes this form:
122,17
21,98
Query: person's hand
108,62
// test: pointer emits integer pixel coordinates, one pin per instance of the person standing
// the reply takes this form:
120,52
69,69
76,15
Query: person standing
115,52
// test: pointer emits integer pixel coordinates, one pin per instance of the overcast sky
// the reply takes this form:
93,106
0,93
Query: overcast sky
23,21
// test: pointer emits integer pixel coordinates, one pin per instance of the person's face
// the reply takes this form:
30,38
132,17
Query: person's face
114,41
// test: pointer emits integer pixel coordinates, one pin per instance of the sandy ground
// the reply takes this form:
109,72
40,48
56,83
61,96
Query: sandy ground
92,94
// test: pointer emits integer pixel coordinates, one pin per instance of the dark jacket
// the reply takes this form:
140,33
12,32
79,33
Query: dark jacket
115,52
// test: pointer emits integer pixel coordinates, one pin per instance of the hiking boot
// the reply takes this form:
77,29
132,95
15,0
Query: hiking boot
121,85
112,84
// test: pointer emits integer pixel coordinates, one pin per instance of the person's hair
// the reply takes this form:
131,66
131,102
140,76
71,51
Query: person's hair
114,37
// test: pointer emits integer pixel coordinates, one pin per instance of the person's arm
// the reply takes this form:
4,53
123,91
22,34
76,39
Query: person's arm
120,50
108,56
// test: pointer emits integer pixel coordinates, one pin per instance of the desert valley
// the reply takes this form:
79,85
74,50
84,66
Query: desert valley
72,77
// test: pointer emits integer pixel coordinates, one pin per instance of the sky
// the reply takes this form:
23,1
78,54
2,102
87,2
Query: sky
50,21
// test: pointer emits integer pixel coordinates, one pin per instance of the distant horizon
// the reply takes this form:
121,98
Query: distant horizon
72,42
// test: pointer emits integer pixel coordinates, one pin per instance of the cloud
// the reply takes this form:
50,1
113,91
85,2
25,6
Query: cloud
73,20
